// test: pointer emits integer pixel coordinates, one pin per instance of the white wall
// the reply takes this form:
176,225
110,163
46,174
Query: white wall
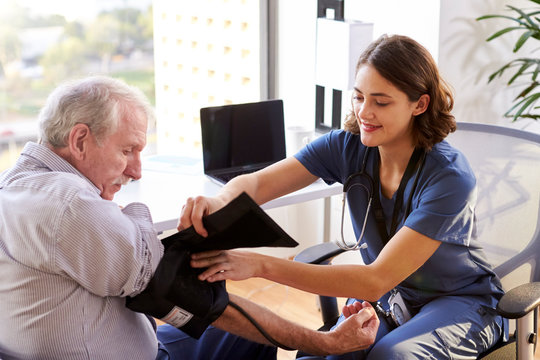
297,35
418,19
296,60
466,60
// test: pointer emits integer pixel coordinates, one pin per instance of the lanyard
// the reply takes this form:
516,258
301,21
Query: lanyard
415,165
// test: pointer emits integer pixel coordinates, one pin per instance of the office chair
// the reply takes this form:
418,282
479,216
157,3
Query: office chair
506,163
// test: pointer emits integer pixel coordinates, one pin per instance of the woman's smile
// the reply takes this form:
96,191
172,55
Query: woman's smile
369,127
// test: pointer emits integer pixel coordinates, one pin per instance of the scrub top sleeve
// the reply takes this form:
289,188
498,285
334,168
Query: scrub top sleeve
328,156
445,210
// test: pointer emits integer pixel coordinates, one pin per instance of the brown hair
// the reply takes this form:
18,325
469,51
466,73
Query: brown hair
411,68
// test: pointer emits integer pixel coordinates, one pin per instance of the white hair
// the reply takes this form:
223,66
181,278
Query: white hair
97,101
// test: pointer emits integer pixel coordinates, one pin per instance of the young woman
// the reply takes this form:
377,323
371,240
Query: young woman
419,193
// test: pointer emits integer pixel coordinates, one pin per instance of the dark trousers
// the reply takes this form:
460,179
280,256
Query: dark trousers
214,344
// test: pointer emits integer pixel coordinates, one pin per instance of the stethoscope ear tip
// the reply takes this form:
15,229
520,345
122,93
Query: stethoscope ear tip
344,246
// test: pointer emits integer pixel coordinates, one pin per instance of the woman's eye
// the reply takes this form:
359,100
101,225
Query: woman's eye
382,104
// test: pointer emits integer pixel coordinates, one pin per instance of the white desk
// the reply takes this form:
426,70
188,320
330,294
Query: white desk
164,190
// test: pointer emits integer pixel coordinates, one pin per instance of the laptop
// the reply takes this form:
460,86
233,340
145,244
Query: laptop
241,138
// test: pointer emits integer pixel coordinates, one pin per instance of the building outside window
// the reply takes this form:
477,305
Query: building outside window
207,53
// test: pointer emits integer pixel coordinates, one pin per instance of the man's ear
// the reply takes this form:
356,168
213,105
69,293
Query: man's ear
421,105
78,141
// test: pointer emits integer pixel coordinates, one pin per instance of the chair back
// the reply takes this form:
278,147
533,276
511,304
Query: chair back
506,163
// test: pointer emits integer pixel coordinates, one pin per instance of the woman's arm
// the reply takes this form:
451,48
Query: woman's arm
267,184
403,255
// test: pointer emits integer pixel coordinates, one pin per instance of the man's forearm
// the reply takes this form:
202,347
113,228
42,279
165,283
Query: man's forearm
357,332
283,331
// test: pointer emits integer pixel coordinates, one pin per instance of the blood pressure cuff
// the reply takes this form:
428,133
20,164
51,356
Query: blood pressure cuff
175,295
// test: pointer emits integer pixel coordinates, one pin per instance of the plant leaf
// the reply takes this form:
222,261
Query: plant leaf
520,71
523,104
527,22
522,39
504,31
523,16
499,72
527,62
525,116
502,17
536,71
527,90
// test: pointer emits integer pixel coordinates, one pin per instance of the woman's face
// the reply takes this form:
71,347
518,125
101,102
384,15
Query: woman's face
384,113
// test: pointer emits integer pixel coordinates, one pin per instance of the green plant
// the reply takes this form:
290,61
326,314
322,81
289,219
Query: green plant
524,105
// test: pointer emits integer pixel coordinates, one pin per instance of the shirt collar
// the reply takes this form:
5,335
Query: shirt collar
53,161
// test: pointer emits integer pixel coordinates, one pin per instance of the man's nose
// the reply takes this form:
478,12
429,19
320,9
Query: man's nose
134,167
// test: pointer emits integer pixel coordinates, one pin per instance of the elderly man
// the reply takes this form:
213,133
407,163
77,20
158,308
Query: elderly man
69,256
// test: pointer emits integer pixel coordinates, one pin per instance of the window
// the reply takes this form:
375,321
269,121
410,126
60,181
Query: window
183,54
207,53
45,43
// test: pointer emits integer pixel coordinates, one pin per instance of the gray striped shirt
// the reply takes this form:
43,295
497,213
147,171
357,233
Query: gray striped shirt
67,260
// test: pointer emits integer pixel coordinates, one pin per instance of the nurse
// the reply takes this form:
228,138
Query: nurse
395,163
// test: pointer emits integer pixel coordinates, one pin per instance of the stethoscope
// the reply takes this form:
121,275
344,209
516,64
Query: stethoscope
363,180
366,182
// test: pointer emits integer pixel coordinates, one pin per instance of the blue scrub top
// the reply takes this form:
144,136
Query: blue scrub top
442,208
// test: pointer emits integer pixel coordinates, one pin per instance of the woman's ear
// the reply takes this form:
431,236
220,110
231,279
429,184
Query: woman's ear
421,105
78,141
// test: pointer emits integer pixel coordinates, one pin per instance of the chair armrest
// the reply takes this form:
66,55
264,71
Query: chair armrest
322,254
519,301
319,254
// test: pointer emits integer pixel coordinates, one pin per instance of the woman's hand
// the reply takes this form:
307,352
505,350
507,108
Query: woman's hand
195,209
227,264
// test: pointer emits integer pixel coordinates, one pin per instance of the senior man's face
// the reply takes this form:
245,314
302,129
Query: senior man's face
118,159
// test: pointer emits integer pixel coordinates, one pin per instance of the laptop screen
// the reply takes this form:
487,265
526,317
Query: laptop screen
242,136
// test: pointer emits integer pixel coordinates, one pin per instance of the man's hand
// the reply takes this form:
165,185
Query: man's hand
357,331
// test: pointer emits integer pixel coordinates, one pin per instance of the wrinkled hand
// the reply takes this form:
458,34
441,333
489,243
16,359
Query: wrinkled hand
357,331
226,264
194,210
354,308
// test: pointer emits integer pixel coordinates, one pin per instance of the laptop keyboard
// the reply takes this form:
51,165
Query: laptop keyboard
229,176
